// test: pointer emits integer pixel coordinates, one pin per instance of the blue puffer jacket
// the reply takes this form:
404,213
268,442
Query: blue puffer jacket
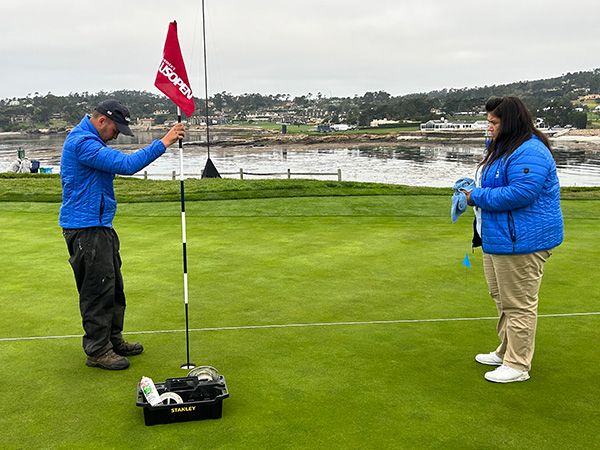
87,170
519,199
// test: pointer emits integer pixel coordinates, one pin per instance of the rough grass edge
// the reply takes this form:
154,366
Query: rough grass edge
47,188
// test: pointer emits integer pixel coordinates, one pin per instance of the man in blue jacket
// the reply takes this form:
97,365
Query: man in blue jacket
87,170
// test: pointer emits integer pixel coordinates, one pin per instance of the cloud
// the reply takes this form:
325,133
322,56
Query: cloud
335,47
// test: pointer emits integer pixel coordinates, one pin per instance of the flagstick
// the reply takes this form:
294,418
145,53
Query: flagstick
210,171
183,238
205,81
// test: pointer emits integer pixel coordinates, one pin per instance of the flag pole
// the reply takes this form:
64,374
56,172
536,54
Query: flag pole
205,81
172,80
187,365
210,171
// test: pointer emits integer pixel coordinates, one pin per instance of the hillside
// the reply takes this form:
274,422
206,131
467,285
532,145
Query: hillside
557,101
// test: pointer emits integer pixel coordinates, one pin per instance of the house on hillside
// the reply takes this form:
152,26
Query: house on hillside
20,118
589,97
145,122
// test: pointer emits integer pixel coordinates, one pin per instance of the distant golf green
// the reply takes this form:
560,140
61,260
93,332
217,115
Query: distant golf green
340,315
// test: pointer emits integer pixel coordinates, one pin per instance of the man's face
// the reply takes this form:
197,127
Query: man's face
107,130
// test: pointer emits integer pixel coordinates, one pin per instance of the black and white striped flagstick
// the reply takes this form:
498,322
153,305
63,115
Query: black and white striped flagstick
187,365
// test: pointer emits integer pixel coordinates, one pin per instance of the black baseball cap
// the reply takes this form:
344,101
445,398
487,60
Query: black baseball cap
118,113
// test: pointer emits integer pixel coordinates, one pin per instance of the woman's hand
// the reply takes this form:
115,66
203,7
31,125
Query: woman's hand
468,194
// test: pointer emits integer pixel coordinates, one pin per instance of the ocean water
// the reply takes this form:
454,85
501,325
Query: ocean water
413,163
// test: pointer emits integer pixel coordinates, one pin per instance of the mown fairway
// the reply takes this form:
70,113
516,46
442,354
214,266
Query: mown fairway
334,264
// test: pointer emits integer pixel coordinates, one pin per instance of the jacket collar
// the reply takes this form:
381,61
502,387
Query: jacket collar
86,124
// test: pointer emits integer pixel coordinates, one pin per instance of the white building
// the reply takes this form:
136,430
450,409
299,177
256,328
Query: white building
378,122
146,122
341,127
446,125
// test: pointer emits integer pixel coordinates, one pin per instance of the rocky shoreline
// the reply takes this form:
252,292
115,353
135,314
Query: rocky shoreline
587,138
256,137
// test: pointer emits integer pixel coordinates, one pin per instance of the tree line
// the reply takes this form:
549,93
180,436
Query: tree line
553,100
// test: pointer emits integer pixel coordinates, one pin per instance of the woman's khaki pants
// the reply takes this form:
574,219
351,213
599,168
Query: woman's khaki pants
514,282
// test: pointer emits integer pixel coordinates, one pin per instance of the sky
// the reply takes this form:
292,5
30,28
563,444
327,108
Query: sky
338,48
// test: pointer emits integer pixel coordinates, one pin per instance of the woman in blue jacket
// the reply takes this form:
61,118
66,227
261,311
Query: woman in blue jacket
518,223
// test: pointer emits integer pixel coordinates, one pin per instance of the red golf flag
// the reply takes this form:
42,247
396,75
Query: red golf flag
172,79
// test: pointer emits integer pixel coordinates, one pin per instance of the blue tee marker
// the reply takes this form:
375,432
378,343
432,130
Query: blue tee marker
466,261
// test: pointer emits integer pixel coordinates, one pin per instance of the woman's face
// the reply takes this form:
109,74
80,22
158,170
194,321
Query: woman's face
493,125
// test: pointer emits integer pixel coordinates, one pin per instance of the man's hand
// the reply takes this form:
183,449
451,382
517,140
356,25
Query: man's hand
174,134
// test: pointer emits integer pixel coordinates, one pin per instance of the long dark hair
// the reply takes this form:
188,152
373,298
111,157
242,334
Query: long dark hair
516,127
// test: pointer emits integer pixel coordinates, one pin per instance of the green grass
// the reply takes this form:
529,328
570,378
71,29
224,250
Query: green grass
593,118
292,129
309,129
382,130
47,188
323,259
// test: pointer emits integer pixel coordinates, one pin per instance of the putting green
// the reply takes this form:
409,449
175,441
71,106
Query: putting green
311,260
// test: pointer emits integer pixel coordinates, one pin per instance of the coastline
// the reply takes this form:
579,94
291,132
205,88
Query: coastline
587,138
396,158
256,137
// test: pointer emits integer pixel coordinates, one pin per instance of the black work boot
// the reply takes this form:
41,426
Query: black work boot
128,349
109,361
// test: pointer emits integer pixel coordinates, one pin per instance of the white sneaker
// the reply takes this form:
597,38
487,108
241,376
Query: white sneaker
505,374
489,359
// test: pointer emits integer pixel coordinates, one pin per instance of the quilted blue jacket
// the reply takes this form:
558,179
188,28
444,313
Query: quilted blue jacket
87,171
519,199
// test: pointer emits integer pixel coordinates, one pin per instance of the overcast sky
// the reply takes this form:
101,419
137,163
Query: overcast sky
335,47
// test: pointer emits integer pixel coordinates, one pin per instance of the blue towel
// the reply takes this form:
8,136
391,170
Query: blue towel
459,199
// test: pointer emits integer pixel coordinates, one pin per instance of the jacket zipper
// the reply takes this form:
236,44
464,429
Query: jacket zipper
511,229
101,208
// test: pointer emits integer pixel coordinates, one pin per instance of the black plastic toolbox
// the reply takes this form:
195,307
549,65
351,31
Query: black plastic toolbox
201,400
